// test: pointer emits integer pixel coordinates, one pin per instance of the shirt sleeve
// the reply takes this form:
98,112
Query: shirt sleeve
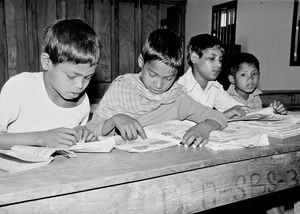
95,125
224,101
10,102
192,110
87,109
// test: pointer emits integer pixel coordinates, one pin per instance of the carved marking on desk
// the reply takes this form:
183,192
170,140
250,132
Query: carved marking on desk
210,200
169,194
223,191
271,176
256,185
240,183
294,180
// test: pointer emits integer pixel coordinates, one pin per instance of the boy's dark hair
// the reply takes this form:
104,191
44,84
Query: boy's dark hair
200,43
163,45
71,41
240,58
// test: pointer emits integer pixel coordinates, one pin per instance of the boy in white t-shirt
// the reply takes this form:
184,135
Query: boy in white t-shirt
49,108
205,54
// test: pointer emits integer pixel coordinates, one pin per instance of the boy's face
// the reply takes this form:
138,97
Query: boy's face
246,79
69,80
157,76
208,66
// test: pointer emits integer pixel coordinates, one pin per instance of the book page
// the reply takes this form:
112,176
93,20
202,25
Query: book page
262,114
103,144
11,164
30,153
251,142
232,132
150,144
159,136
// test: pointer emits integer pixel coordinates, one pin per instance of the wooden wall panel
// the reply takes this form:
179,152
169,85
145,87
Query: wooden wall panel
75,9
33,40
89,12
127,58
3,46
17,45
149,19
102,25
46,13
122,26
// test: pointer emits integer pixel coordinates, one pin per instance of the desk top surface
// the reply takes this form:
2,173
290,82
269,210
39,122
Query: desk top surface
96,170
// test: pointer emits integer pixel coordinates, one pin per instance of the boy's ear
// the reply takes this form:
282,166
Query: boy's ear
231,79
141,61
45,61
194,57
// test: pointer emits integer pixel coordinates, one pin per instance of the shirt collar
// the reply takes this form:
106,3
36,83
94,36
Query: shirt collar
190,82
231,90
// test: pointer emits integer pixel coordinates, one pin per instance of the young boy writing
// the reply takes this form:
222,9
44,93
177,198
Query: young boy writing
244,77
205,53
48,108
152,96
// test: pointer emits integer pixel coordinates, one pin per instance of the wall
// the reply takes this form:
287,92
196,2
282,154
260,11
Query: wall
263,28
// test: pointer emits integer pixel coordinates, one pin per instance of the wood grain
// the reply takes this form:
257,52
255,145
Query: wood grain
3,46
167,181
127,58
16,28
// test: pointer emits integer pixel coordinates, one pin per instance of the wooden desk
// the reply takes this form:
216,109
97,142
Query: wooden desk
174,180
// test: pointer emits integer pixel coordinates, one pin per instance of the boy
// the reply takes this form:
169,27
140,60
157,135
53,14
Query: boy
152,96
205,53
43,108
244,77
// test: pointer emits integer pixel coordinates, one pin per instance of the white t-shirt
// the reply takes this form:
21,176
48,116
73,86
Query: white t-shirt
213,95
26,107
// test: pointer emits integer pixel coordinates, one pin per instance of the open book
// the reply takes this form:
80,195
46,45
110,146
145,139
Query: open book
170,134
20,158
159,136
262,114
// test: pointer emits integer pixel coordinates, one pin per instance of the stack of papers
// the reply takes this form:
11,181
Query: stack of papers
261,114
236,137
278,126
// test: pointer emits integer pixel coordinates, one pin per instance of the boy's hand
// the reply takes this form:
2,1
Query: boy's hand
84,134
237,111
58,138
278,107
128,127
197,135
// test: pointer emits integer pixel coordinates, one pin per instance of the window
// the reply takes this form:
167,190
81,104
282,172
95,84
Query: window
223,27
223,22
295,41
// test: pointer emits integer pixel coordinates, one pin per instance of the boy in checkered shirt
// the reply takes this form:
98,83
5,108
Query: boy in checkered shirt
152,96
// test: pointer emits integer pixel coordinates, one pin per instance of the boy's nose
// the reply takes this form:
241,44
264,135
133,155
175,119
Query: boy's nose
79,83
218,64
158,83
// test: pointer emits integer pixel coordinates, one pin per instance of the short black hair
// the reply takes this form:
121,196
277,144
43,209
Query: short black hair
200,43
163,45
237,59
72,41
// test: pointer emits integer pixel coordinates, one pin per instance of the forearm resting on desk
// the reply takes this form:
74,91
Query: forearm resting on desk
59,137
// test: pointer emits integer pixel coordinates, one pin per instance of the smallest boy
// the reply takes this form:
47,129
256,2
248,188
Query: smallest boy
244,78
205,54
